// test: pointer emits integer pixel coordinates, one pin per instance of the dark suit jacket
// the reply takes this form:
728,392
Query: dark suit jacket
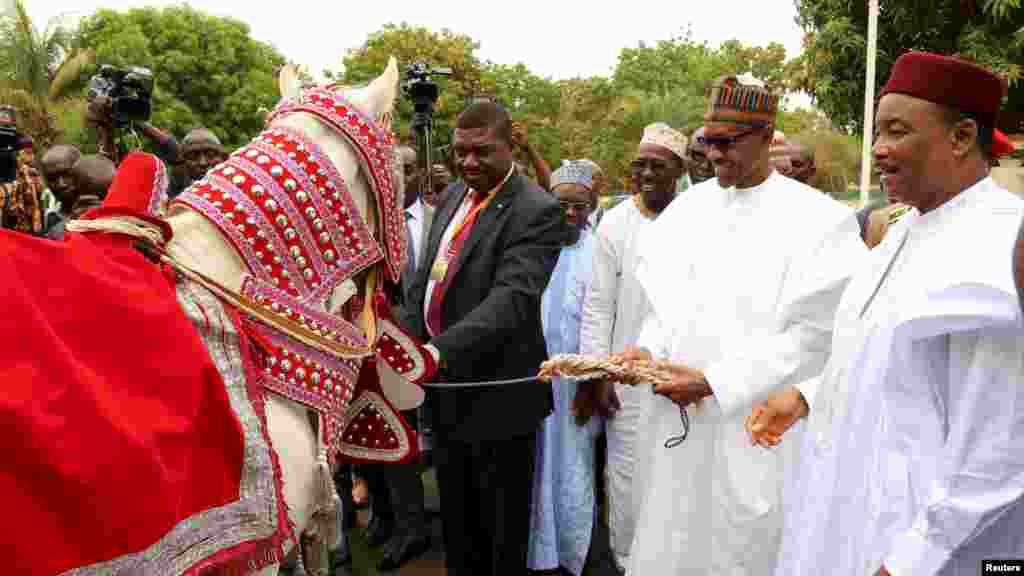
490,316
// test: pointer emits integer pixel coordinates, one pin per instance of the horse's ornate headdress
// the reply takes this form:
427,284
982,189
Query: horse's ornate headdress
288,213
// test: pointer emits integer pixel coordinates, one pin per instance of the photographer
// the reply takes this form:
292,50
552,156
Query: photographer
198,152
99,113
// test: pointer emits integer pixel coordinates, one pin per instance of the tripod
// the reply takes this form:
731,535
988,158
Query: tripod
423,93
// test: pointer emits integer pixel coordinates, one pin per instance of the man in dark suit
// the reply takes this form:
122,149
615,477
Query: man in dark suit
476,300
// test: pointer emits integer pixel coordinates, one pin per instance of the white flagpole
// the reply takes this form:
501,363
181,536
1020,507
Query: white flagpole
869,104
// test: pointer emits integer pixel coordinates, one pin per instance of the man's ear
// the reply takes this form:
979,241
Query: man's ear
964,137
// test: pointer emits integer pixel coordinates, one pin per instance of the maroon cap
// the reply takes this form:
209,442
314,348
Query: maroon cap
950,81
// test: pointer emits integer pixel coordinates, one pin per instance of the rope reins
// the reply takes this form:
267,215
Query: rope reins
154,240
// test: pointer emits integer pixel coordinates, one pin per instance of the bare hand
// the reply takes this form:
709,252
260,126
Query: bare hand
686,386
634,354
519,135
882,572
770,419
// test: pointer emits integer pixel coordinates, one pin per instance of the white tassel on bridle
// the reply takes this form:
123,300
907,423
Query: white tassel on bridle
323,531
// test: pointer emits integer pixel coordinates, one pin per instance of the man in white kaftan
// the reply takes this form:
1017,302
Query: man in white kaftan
614,311
914,460
1018,265
743,274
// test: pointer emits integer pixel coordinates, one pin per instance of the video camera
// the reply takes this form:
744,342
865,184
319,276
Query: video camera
8,144
130,91
422,91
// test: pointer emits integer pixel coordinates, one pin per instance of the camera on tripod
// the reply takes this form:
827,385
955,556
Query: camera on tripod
8,144
423,92
130,91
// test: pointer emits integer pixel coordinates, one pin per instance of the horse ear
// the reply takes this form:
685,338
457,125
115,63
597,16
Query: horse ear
289,82
381,93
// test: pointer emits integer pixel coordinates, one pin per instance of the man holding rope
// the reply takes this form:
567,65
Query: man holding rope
912,461
489,256
743,274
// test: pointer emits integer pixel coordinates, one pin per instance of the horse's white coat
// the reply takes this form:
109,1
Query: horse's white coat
198,244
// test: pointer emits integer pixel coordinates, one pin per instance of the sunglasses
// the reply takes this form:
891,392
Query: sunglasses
724,141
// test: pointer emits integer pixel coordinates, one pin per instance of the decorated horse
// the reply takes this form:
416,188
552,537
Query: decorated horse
178,383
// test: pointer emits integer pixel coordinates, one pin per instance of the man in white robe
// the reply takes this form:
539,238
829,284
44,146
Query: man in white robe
914,460
613,313
1018,265
743,273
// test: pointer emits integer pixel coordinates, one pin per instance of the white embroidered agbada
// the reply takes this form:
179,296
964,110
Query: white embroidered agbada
613,314
915,456
743,285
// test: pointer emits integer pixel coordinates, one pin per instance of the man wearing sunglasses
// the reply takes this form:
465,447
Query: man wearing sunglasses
743,273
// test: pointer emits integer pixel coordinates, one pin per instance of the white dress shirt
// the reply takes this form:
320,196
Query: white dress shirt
414,219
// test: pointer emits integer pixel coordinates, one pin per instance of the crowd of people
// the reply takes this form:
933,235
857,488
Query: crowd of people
845,393
64,182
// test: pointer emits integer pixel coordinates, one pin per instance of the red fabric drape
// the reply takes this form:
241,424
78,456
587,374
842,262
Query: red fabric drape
114,423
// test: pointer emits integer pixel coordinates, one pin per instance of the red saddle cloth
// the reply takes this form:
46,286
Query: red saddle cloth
115,425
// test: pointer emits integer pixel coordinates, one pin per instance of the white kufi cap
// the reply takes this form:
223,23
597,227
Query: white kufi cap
661,134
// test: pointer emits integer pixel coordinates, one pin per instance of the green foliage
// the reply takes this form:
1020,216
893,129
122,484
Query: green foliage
832,66
409,45
837,157
207,70
802,121
36,68
668,82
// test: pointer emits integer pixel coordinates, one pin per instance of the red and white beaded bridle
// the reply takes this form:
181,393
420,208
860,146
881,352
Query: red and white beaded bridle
286,210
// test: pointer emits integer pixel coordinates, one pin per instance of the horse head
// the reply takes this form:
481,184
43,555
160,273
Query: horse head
307,222
208,246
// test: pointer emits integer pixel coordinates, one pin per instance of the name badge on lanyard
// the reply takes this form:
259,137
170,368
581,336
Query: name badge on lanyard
440,269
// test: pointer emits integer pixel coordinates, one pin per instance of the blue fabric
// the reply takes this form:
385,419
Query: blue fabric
563,501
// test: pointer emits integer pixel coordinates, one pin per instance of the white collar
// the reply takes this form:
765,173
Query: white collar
937,219
415,210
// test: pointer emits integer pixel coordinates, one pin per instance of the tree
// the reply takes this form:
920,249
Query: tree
207,70
597,118
668,82
37,69
409,45
528,97
831,67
